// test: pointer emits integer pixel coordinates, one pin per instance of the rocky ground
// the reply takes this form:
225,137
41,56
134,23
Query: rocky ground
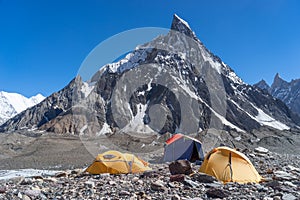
281,174
280,167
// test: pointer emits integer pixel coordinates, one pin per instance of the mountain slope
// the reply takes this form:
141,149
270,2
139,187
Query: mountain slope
288,92
13,103
171,84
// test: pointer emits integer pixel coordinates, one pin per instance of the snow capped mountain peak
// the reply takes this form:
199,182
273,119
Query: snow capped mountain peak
37,98
14,103
182,26
178,19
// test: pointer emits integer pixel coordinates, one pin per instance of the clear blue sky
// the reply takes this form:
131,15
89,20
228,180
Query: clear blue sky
43,43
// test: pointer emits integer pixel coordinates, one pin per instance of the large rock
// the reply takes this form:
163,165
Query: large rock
180,167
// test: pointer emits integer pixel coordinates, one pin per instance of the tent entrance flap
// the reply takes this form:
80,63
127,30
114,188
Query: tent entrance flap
195,154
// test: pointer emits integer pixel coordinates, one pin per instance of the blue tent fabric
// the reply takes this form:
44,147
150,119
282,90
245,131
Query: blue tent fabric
183,148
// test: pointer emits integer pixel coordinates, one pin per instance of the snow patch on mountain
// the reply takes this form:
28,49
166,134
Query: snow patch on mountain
263,118
267,120
13,103
87,88
137,123
130,61
105,129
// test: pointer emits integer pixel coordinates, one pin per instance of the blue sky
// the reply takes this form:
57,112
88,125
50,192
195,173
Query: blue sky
43,43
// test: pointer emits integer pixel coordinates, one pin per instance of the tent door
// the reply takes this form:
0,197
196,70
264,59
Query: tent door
195,154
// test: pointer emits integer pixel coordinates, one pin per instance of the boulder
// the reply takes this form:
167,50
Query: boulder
180,167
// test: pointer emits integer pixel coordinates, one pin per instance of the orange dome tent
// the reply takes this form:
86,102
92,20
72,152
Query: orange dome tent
114,162
229,165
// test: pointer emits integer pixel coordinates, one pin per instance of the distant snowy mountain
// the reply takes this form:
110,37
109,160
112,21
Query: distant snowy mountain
12,104
174,76
288,92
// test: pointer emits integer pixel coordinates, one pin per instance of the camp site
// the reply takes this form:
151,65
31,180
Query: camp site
150,100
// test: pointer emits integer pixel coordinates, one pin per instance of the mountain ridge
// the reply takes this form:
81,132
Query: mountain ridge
193,88
288,92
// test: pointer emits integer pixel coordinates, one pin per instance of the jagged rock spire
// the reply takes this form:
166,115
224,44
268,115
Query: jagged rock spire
278,81
182,26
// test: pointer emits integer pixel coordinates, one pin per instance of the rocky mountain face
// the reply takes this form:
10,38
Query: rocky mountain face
288,92
171,84
12,103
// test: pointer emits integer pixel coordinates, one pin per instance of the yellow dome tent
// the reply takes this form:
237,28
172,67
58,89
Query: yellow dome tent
114,162
229,165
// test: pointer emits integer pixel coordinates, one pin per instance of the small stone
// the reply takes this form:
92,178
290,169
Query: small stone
171,185
175,197
133,197
112,183
203,178
60,174
124,193
292,168
147,174
177,177
89,184
290,184
276,197
214,185
269,171
282,175
238,138
267,198
191,183
2,190
25,197
217,193
274,184
288,197
20,195
50,179
252,155
261,150
158,186
26,181
135,179
104,175
33,193
76,171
